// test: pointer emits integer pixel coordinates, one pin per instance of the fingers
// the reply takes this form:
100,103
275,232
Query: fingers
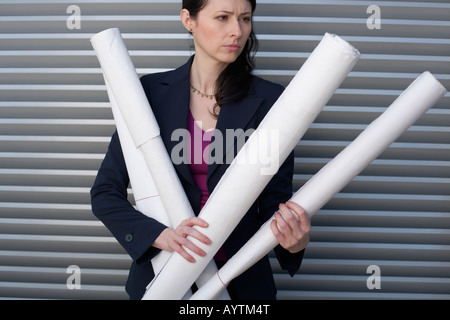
186,229
179,243
302,215
195,221
291,227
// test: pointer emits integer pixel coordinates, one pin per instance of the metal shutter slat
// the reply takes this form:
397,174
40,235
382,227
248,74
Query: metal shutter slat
56,123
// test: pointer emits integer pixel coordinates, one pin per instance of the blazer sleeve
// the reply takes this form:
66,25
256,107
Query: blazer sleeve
279,190
133,230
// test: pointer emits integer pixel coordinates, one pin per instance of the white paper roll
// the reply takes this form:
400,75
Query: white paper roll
126,93
421,95
289,118
145,193
124,83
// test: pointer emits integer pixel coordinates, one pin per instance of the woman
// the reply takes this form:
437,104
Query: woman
214,91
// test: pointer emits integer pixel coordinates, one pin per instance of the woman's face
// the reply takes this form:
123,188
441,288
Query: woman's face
221,29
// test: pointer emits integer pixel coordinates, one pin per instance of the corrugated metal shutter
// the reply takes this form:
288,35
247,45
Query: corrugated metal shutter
55,125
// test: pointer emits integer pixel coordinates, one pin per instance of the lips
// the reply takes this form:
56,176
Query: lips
232,47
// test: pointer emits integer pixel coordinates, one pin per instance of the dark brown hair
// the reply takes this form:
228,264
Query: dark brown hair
233,83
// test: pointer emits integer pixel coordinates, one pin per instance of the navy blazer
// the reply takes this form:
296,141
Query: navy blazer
169,97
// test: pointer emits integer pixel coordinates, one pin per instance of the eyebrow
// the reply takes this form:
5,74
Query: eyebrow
229,12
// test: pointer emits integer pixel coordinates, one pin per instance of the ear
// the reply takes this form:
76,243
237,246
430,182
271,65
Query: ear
186,20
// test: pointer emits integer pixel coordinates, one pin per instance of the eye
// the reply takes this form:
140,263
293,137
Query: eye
222,18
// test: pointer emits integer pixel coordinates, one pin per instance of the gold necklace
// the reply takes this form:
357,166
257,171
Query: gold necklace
204,95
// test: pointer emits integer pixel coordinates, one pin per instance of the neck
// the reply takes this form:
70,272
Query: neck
204,74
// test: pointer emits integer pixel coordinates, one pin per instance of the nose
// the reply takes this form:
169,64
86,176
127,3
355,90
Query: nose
236,29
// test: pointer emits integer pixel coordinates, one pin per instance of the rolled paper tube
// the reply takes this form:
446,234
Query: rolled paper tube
287,121
421,95
132,109
124,84
144,190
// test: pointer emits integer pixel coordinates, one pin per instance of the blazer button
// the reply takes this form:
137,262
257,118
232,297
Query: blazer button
129,238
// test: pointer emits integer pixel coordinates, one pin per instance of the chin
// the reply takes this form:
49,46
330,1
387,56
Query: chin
229,57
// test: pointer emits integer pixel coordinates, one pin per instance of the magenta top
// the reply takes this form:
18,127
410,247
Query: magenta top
199,151
198,156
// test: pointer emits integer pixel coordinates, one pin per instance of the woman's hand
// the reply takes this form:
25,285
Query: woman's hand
292,231
174,240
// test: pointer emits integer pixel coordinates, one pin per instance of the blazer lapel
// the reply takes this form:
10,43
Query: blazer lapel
174,115
232,123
